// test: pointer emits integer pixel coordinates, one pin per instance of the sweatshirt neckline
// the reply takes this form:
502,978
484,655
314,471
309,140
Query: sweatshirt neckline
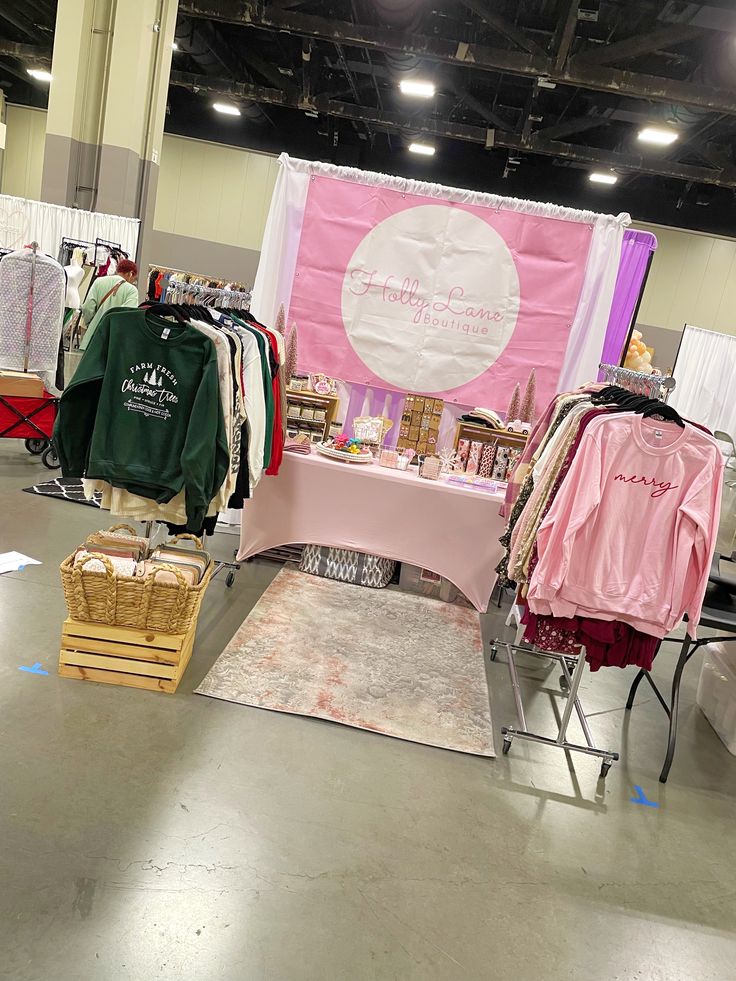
147,321
638,433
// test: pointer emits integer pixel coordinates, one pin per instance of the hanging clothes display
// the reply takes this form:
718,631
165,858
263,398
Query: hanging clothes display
32,294
612,532
136,475
143,412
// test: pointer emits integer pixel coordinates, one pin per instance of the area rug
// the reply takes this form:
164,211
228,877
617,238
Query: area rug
378,659
64,489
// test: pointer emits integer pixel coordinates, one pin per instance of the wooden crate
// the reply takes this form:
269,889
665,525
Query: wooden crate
124,656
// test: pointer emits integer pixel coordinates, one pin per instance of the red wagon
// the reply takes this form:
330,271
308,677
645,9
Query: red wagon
31,418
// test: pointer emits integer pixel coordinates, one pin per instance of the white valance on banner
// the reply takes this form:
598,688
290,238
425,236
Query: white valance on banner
23,221
275,278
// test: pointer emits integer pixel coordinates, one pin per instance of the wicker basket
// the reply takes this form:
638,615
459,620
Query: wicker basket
130,601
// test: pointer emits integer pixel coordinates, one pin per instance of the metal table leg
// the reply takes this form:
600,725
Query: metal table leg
632,691
685,655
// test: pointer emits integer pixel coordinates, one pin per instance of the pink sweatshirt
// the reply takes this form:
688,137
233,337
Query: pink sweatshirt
632,531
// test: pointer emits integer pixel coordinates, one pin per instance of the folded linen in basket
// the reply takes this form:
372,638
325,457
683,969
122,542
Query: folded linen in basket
149,567
121,565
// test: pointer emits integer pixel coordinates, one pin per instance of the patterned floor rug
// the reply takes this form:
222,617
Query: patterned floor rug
378,659
63,489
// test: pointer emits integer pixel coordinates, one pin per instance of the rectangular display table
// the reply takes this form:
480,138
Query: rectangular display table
448,529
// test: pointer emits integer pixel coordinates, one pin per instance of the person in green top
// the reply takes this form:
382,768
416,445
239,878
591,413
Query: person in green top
106,293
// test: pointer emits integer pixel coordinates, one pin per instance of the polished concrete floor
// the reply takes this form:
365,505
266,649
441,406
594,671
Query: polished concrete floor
147,836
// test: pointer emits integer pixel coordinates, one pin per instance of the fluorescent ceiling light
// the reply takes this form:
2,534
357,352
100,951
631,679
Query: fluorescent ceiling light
174,46
40,74
226,109
413,87
601,178
660,135
422,148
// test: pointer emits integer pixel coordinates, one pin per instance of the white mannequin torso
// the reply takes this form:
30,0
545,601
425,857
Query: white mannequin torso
74,277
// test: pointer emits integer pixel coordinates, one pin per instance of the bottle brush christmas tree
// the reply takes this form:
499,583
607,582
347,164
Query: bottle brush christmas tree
513,410
281,320
528,410
290,356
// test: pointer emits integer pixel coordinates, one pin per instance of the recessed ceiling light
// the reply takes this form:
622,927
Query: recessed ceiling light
598,177
424,90
226,109
40,74
174,46
660,135
423,148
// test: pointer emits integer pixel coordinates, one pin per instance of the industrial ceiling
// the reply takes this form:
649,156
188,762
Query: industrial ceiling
529,98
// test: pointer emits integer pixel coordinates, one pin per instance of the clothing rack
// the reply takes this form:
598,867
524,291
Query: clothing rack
655,386
572,675
178,292
68,245
112,247
199,278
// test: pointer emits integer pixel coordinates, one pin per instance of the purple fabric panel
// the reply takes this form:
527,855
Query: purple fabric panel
632,267
376,403
355,406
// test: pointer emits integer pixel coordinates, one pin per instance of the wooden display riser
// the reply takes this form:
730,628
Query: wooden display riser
124,656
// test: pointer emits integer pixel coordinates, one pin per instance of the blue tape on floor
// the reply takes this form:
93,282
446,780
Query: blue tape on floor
36,669
641,798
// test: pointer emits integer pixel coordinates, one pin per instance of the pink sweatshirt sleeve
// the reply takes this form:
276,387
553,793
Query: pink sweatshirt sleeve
700,517
577,498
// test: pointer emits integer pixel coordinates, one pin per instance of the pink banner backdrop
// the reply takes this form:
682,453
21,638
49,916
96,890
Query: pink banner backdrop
412,293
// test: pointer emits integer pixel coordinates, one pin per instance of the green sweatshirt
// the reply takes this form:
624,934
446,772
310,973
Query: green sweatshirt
143,412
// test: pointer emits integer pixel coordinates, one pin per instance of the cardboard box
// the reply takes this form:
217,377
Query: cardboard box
423,582
21,383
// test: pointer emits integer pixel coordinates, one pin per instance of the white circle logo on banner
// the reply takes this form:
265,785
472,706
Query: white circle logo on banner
430,298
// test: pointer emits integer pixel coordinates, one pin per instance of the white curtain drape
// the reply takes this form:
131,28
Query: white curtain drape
277,267
705,373
23,221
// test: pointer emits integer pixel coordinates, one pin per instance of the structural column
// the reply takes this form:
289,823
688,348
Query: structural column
107,104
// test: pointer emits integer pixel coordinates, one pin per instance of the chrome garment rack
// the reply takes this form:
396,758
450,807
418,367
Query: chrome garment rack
210,296
655,386
572,675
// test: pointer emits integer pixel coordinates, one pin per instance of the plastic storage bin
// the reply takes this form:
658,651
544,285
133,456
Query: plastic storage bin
717,692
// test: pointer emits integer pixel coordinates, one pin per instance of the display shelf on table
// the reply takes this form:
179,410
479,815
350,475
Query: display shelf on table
312,400
145,659
504,446
479,433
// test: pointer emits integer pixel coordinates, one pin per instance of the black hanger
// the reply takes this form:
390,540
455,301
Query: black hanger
635,402
166,310
607,394
667,412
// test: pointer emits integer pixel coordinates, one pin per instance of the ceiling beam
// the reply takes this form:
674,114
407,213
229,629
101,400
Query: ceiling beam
28,53
267,69
566,127
480,108
391,122
471,56
20,22
632,47
502,26
564,33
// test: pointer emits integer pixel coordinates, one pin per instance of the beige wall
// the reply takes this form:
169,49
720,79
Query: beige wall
23,157
214,192
692,280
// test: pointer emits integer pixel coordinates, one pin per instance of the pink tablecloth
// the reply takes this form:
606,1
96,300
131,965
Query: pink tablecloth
450,530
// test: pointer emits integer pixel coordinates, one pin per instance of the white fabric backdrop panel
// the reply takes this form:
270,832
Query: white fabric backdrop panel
705,373
586,330
23,221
